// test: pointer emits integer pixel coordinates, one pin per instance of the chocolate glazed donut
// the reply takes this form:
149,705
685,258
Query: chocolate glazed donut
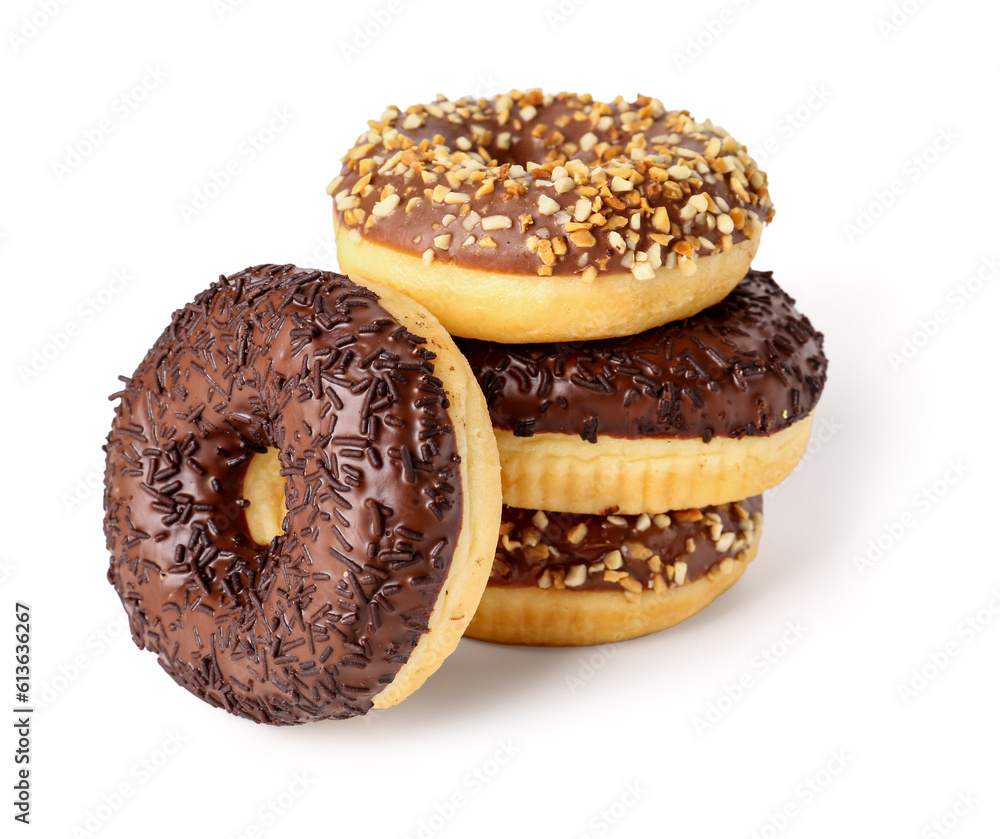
320,621
706,410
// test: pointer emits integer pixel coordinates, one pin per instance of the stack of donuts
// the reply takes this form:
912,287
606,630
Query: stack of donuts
539,407
644,384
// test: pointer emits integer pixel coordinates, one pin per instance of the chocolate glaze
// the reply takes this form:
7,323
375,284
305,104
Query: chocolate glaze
748,366
318,622
687,539
565,118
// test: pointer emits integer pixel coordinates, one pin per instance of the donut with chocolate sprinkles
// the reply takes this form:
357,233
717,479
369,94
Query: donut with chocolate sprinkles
705,410
539,217
301,496
567,579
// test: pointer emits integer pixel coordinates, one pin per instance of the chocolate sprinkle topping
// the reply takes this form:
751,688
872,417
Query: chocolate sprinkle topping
748,366
311,364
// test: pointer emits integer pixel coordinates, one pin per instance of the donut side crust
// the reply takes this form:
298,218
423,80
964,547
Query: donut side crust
512,308
479,469
534,616
562,472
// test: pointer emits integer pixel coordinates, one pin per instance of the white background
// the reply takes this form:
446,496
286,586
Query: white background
861,115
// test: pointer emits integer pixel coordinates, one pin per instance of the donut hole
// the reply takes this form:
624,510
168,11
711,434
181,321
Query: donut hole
264,488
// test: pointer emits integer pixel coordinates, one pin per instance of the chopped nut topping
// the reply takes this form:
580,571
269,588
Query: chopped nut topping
636,550
495,222
547,206
654,188
725,542
680,572
630,584
613,559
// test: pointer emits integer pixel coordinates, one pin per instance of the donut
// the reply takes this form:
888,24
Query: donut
301,496
533,217
705,410
566,579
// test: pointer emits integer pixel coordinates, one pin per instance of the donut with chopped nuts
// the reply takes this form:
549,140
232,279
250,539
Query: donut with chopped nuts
538,217
566,579
301,496
706,410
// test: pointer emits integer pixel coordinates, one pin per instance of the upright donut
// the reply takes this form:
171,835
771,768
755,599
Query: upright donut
389,475
532,217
